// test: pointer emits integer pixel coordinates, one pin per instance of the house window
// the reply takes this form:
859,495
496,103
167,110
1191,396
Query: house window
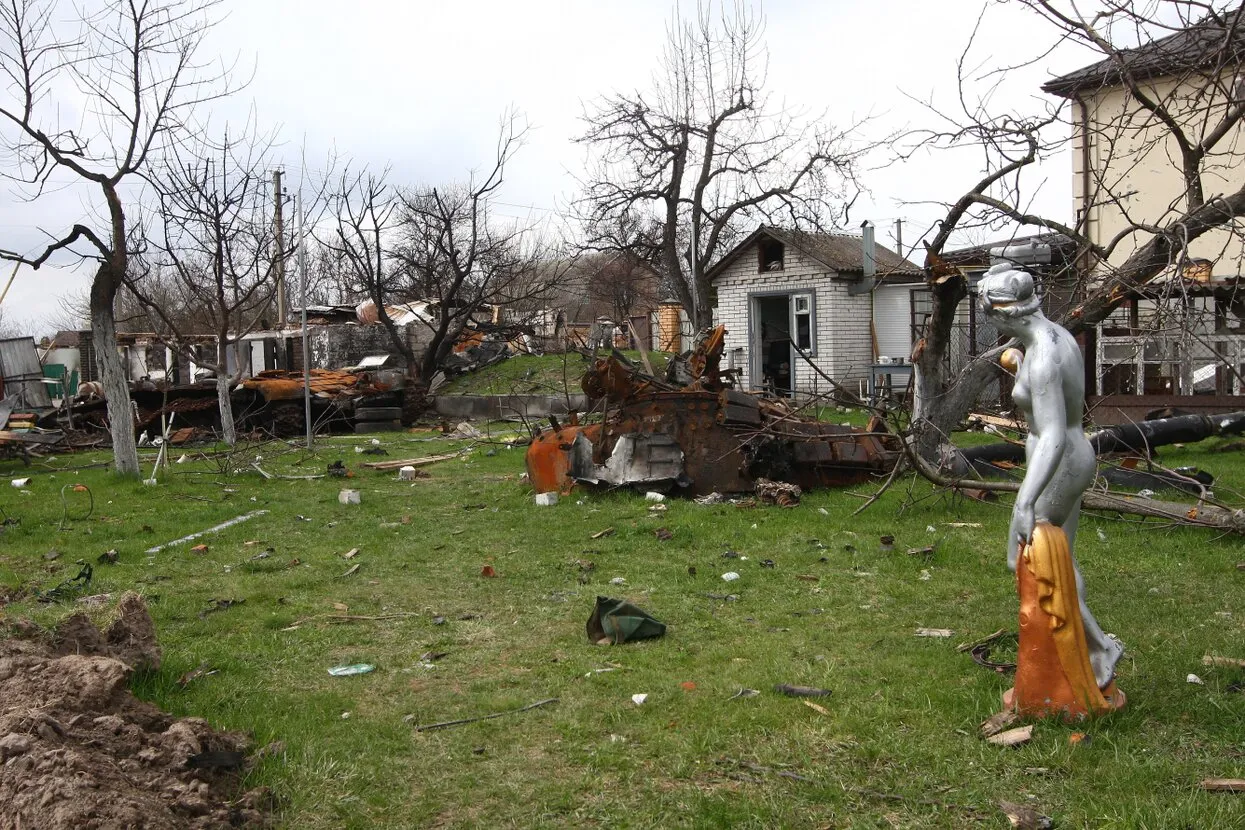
769,255
802,321
921,305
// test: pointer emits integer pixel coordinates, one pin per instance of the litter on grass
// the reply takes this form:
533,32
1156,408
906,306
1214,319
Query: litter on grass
800,691
615,621
1013,737
939,633
214,529
353,669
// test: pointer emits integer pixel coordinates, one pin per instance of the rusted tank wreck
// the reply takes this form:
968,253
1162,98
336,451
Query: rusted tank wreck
693,433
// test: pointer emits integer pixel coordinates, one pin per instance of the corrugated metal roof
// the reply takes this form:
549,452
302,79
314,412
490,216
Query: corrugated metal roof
23,374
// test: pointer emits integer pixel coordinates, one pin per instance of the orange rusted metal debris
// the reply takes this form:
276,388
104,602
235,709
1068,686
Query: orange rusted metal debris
280,385
697,435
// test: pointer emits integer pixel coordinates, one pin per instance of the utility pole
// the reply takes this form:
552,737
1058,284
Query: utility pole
302,274
899,237
278,247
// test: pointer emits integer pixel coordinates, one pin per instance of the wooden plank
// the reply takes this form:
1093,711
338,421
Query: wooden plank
32,437
410,462
994,420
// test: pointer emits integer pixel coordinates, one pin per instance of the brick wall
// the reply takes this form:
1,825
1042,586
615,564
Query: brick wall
841,321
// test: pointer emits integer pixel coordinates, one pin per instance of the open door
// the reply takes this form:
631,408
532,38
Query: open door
773,356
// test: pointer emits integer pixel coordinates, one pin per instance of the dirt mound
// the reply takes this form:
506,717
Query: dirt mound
78,750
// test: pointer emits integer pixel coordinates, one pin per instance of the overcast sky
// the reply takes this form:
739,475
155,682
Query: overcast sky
421,84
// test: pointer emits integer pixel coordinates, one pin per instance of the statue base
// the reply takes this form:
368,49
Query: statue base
1113,697
1053,673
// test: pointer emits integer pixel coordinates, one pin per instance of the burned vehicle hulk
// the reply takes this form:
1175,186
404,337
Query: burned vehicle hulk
693,433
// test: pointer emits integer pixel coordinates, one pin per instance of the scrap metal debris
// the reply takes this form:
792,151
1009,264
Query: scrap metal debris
980,650
444,724
777,492
699,437
70,587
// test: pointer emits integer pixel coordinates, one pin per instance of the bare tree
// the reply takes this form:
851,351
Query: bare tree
327,272
703,157
364,243
212,250
132,69
10,327
1177,103
619,284
442,247
461,259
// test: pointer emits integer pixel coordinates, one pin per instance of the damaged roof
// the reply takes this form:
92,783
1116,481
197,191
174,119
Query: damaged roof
979,255
840,252
1215,42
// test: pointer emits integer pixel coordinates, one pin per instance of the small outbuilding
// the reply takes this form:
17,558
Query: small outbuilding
799,307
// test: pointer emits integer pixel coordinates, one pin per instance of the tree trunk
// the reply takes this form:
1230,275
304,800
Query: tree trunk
112,373
702,313
941,399
228,433
940,405
224,380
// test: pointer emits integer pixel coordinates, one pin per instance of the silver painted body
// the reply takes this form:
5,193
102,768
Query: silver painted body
1060,463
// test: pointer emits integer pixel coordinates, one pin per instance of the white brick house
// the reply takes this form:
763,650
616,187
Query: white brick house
781,293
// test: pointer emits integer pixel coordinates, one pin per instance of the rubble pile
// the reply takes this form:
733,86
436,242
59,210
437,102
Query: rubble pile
693,433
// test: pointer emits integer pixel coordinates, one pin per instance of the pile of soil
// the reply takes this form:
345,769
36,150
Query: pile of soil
78,750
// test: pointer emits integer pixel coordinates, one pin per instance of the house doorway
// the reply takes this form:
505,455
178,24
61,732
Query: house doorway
772,347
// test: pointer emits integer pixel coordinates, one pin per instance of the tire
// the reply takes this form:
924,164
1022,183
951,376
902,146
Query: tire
377,413
366,427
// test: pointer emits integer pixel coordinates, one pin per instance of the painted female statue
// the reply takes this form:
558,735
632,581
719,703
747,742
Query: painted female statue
1066,663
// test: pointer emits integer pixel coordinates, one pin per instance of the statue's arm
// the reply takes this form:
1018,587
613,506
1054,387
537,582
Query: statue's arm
1048,438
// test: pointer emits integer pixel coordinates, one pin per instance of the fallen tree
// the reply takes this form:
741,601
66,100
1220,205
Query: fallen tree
1141,438
1202,513
1138,437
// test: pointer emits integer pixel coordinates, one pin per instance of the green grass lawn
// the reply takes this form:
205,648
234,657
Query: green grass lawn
896,745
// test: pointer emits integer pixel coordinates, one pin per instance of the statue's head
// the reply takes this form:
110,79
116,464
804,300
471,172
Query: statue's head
1007,292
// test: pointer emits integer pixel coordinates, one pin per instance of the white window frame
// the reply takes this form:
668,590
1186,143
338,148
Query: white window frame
805,298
